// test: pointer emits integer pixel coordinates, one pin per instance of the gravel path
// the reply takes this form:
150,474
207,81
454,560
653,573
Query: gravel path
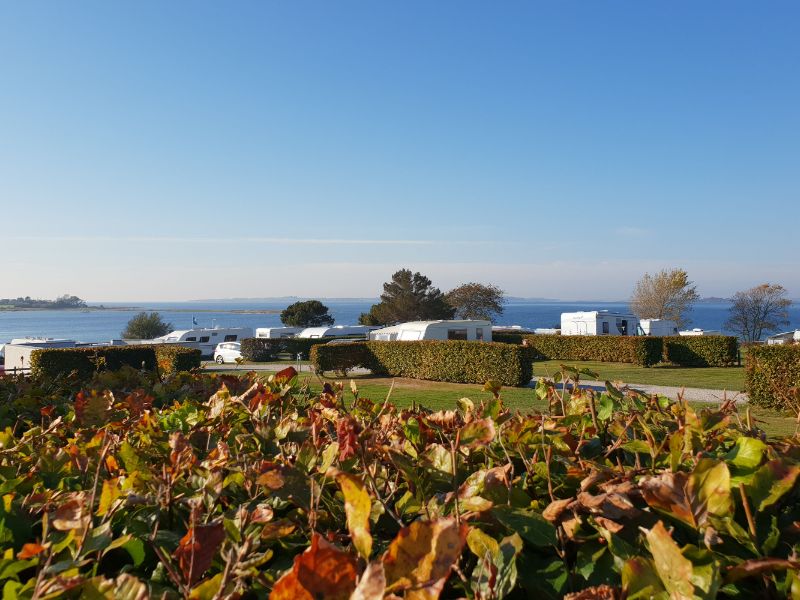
690,394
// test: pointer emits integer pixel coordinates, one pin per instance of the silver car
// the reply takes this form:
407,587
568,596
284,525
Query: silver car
227,352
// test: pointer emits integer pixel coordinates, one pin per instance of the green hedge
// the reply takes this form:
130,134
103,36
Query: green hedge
639,350
267,349
453,361
701,350
771,373
172,359
52,362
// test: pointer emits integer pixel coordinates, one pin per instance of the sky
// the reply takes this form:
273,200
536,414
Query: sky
187,150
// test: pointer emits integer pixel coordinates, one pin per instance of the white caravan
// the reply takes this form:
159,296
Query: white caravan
657,327
478,330
277,332
336,331
203,338
788,337
18,351
699,331
598,322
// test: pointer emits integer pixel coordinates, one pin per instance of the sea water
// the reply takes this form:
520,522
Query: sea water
104,325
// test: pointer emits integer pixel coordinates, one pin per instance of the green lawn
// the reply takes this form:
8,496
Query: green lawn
716,378
438,395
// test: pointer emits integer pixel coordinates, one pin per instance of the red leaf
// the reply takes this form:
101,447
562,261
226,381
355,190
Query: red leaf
322,571
286,374
347,435
197,549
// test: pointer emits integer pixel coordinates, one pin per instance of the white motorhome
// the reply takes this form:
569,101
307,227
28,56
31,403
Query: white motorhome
203,338
788,337
699,331
277,332
477,330
657,327
598,322
336,331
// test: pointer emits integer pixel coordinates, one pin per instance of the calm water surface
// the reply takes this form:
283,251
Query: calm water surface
103,325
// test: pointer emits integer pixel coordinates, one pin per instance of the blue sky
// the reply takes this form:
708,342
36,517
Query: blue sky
167,151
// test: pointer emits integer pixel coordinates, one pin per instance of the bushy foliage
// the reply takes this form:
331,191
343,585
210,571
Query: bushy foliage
307,313
267,349
453,361
476,301
701,350
772,376
408,297
146,326
666,295
638,350
209,487
58,362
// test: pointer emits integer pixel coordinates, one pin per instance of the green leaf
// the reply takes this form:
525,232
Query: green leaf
605,407
771,482
532,526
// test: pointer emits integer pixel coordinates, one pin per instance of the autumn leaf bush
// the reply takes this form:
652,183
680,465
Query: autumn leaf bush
125,484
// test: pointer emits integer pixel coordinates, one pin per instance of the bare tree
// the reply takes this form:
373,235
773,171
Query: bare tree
666,295
759,310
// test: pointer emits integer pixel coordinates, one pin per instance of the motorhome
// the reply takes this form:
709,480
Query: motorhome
277,332
657,327
203,338
477,330
787,337
598,322
336,331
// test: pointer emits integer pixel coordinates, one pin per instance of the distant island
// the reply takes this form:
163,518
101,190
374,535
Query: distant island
27,303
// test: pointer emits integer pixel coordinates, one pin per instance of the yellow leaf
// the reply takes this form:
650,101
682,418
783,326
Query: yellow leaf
422,555
674,570
357,507
108,496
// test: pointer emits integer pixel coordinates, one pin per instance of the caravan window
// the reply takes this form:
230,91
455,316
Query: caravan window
479,334
230,338
191,339
456,334
204,339
605,326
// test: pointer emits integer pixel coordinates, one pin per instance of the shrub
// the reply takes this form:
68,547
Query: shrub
453,361
772,373
507,337
266,349
52,362
172,359
639,350
701,350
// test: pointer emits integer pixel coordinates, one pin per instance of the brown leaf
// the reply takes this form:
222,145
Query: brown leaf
322,571
612,526
556,508
197,549
73,514
612,505
347,435
285,375
757,566
372,584
422,555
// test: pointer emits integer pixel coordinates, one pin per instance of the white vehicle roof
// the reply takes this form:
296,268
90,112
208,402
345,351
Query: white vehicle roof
593,314
425,325
335,330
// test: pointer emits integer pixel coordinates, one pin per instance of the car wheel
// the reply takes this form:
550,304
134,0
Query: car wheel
219,360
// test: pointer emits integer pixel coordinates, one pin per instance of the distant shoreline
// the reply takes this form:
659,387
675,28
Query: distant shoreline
242,311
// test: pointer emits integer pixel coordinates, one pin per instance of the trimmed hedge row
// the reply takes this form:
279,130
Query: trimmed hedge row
701,350
686,351
452,361
51,362
266,349
772,376
639,350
